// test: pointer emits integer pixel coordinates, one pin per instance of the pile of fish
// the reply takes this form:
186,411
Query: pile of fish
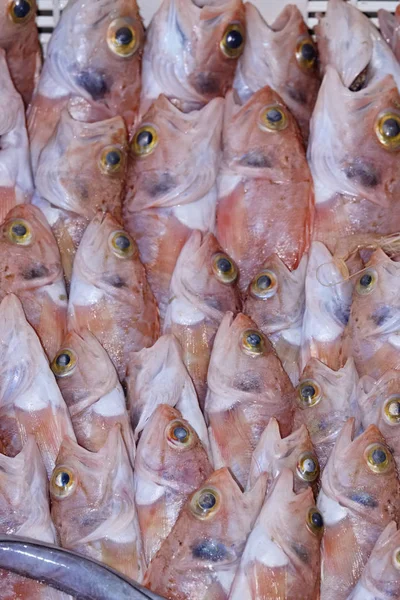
200,304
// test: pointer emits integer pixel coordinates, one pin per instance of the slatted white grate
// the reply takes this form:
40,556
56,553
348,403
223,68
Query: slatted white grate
50,10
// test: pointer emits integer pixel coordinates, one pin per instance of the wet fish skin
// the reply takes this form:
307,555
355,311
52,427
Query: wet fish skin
389,27
206,551
109,293
246,387
264,180
359,497
200,295
172,189
30,401
30,267
282,554
93,506
167,472
271,57
92,392
183,58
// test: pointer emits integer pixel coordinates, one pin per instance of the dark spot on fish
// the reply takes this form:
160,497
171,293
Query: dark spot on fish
380,315
363,174
35,272
209,550
248,382
341,312
301,552
115,280
360,81
364,499
94,82
297,95
207,83
255,159
161,185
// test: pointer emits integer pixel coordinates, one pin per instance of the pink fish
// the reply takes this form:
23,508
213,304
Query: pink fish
389,26
16,185
203,289
246,387
283,56
171,463
265,203
81,170
276,302
94,58
109,293
359,496
19,38
281,559
191,51
171,185
30,267
200,556
90,387
326,399
93,505
30,401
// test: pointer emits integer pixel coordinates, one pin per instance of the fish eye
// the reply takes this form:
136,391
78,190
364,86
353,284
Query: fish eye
63,482
20,11
233,40
122,244
179,434
306,53
387,129
111,160
205,503
122,38
64,363
378,458
19,232
391,410
308,467
367,282
224,268
309,393
253,342
145,141
264,285
315,521
396,558
273,118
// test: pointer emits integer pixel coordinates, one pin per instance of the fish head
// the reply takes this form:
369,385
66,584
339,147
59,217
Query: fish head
16,21
11,105
83,166
379,403
276,296
382,572
389,27
29,253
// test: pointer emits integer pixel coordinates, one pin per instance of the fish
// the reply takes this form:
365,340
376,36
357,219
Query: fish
282,554
171,186
94,59
19,39
379,403
16,183
380,578
30,268
93,506
92,392
203,288
349,41
109,293
326,399
30,401
352,155
157,375
275,300
81,170
200,556
359,497
171,463
264,181
246,387
328,292
284,56
191,51
23,477
372,334
389,27
273,454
